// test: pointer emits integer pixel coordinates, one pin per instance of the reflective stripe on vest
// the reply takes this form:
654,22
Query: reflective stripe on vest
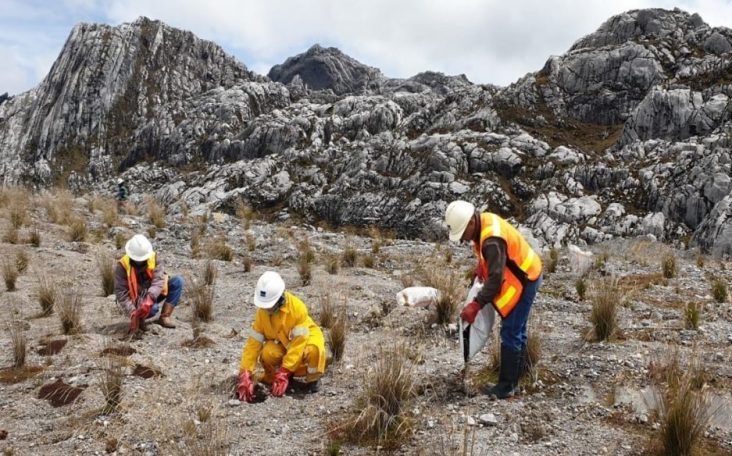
259,337
132,278
519,256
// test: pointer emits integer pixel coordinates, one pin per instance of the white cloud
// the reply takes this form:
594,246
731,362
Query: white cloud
488,40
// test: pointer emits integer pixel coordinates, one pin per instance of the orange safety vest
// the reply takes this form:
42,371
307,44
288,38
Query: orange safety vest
132,277
522,262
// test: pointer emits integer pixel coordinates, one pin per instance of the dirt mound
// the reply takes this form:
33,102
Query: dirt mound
59,393
119,350
52,347
199,342
18,374
146,372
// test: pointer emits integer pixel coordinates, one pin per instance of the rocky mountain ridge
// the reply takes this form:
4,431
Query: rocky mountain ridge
628,133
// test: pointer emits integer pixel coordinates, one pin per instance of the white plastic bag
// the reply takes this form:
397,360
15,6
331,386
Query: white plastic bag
473,337
418,296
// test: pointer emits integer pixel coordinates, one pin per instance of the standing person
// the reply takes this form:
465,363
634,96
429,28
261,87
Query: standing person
123,193
283,338
510,271
142,286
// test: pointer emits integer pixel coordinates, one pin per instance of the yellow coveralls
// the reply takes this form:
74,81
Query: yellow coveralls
289,338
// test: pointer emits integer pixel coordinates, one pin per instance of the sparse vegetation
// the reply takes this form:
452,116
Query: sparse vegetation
202,297
306,251
105,266
17,214
77,230
19,342
305,269
10,274
68,309
251,242
218,249
332,264
34,238
210,273
383,404
606,296
699,260
692,315
110,217
451,290
600,260
551,264
245,213
111,383
11,236
47,293
580,285
155,213
368,261
21,261
119,240
337,337
668,266
59,206
719,290
327,311
247,263
350,256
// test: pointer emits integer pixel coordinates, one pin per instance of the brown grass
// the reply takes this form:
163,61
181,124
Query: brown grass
719,290
105,266
337,337
251,242
580,285
245,213
120,240
450,286
110,216
34,238
332,264
155,213
327,311
11,236
202,298
552,261
19,342
218,249
384,402
669,267
21,261
10,274
606,296
210,273
111,383
68,309
17,214
78,230
305,269
195,244
350,256
247,263
59,206
692,315
368,261
47,293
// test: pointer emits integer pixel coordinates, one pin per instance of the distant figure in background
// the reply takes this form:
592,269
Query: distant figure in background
123,193
143,288
283,338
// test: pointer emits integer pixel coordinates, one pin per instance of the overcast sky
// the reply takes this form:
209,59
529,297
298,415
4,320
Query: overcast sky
490,41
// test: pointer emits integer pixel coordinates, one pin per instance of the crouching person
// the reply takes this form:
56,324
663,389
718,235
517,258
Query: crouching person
143,288
283,338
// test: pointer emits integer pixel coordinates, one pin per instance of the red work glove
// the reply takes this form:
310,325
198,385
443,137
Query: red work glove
144,309
134,322
479,274
245,388
279,386
470,312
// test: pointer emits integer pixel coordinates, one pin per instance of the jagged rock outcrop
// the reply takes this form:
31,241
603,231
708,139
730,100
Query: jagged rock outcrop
326,68
629,133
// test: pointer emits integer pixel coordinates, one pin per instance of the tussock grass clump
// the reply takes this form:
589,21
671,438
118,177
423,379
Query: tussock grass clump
368,261
59,206
34,238
580,285
11,236
119,240
306,252
332,264
21,261
337,337
68,309
245,213
111,382
78,230
692,315
533,352
383,404
155,213
218,249
202,298
105,266
606,296
305,269
110,216
719,290
210,273
19,343
247,263
669,267
251,242
551,264
10,274
350,256
699,260
47,293
17,214
452,292
327,311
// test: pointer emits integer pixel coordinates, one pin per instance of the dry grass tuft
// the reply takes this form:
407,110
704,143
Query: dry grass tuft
699,260
551,264
120,240
59,206
218,249
247,263
251,242
19,342
111,382
210,273
306,252
452,291
368,261
337,337
155,213
34,238
77,230
668,266
105,265
245,213
110,216
68,309
332,264
10,274
692,315
11,236
327,311
581,287
305,269
202,298
383,404
195,244
21,261
350,256
17,214
719,290
606,296
47,293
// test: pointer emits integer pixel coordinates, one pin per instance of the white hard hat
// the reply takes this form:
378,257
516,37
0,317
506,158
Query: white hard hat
270,287
138,248
120,180
457,217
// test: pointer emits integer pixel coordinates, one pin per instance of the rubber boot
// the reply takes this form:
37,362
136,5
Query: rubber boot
165,317
314,387
508,377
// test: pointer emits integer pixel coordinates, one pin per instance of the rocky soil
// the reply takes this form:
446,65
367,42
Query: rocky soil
587,398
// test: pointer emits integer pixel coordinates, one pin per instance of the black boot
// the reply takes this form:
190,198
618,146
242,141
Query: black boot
508,377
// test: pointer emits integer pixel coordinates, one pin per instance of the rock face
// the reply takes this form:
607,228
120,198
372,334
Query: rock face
326,68
628,133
